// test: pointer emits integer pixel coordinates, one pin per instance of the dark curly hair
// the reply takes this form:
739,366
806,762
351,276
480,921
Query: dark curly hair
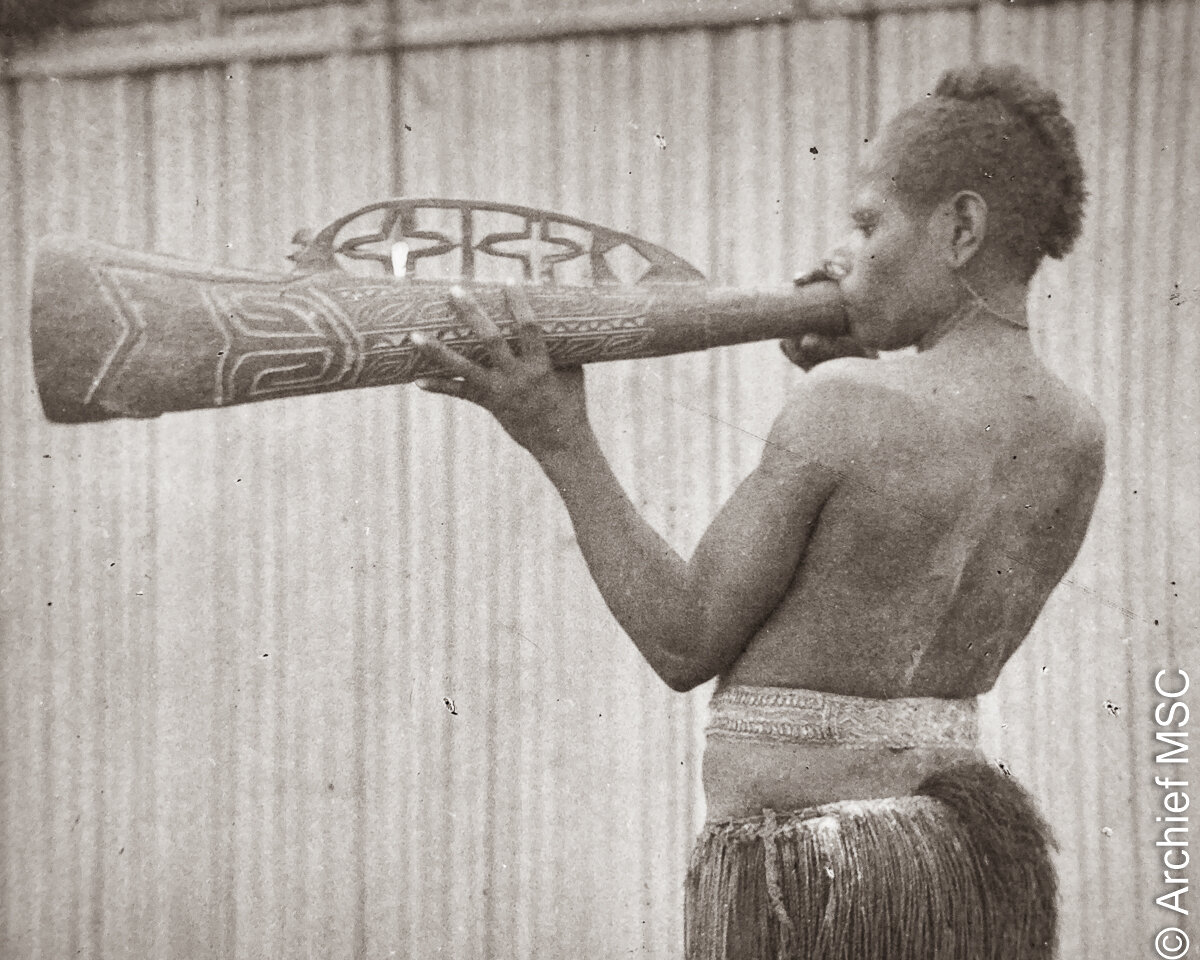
994,130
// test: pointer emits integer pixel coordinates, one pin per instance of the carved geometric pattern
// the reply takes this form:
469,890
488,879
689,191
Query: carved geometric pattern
278,343
398,224
538,244
534,262
348,333
133,326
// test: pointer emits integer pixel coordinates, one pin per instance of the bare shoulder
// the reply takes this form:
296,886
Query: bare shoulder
1088,448
1081,426
1089,426
841,409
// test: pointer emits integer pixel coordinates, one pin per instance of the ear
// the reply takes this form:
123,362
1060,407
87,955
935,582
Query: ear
962,226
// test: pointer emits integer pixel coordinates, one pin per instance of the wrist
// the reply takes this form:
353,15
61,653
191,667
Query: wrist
566,453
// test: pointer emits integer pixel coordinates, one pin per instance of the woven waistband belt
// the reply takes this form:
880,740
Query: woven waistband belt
789,715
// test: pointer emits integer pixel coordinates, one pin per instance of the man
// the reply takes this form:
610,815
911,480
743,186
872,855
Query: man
869,579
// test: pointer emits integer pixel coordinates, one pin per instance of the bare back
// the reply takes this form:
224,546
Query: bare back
934,556
929,562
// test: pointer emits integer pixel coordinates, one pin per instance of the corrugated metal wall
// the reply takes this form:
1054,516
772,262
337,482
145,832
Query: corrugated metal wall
232,639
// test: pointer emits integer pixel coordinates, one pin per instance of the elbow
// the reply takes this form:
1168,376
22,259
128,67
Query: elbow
678,682
685,664
685,676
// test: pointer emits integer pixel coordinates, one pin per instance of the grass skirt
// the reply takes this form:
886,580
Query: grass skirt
959,871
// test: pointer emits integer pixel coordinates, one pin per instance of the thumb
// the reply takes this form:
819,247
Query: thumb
813,348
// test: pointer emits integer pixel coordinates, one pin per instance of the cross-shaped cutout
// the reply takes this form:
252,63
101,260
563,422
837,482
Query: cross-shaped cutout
535,253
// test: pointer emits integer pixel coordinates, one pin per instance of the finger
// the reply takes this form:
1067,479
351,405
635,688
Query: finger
450,387
438,355
809,349
796,354
835,268
493,340
848,347
815,275
529,334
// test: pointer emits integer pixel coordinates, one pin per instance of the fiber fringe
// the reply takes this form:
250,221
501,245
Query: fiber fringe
959,871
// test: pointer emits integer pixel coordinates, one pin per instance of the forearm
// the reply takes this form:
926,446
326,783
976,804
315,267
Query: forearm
690,619
647,585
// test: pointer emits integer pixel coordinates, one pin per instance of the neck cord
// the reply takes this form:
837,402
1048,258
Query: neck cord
982,304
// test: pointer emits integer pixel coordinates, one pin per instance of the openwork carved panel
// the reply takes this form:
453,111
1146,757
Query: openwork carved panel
473,240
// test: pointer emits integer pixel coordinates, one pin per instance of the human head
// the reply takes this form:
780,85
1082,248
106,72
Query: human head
981,180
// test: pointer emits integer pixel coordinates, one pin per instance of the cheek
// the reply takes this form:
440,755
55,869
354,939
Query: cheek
881,291
876,266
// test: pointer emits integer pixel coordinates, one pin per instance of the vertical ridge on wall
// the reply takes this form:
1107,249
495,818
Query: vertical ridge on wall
41,776
52,748
1107,676
1162,332
137,605
1182,423
1108,51
15,610
179,200
19,612
237,584
1146,280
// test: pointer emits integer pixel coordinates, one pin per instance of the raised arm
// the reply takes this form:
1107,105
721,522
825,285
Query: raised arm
690,619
